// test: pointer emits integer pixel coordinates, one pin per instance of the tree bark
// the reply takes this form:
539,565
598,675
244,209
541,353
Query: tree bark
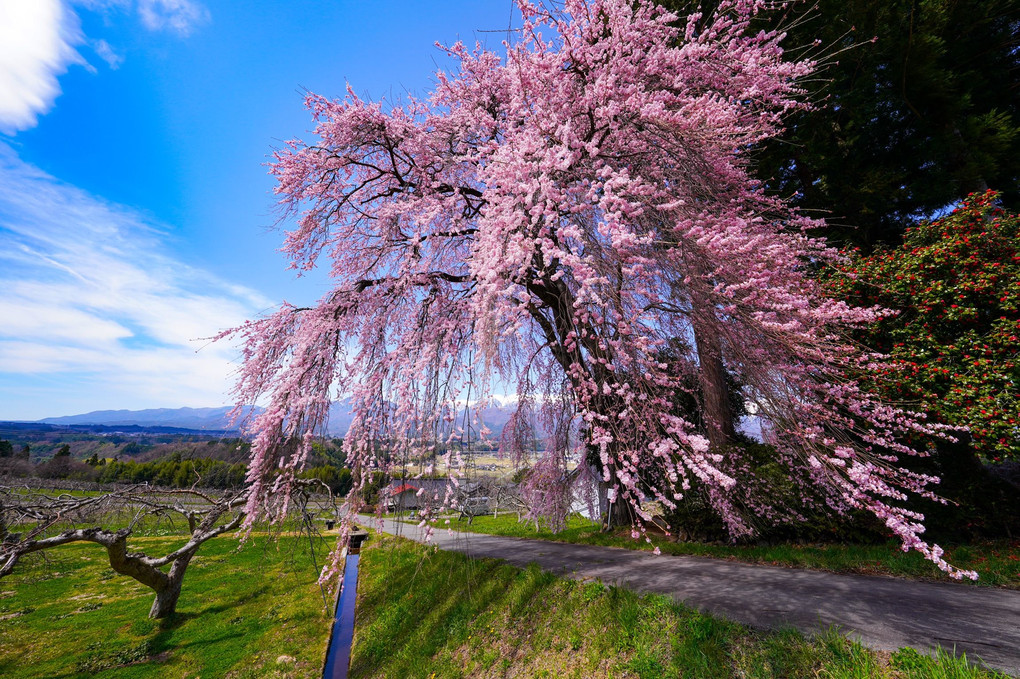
715,399
617,513
165,603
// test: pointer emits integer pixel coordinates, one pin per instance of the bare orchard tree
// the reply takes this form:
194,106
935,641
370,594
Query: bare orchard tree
505,496
29,523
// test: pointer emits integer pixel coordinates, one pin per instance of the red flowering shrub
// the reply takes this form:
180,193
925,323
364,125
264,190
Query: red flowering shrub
954,344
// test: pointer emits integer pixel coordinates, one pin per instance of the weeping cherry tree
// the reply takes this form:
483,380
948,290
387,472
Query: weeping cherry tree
572,220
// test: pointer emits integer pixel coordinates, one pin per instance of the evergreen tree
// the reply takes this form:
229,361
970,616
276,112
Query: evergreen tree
917,106
916,120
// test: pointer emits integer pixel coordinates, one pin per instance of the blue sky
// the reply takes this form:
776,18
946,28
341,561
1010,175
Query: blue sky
134,201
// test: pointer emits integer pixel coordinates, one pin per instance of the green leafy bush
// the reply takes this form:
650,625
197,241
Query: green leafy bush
953,345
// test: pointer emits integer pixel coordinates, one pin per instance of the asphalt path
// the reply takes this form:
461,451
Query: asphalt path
884,613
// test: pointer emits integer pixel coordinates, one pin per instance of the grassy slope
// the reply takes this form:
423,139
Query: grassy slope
70,615
422,613
427,613
997,563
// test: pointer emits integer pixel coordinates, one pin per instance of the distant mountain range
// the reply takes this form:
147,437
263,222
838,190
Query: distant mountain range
200,419
218,419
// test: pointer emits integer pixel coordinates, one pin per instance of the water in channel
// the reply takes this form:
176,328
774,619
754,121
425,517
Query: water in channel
339,658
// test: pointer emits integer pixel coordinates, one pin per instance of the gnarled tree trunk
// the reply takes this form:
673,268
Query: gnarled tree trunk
712,376
166,597
145,569
614,514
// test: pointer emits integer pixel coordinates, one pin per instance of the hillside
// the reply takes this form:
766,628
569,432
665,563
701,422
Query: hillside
219,422
201,419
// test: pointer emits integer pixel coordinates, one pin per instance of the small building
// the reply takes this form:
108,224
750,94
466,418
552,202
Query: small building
403,494
401,497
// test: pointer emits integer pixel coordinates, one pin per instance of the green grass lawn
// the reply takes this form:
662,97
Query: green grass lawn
54,492
70,615
998,563
421,613
427,613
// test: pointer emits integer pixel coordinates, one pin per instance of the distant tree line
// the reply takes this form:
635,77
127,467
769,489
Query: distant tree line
176,470
173,472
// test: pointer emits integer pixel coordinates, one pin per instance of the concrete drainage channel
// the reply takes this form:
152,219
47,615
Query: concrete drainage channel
338,653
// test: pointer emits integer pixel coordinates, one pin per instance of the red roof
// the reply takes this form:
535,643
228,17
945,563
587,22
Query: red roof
400,489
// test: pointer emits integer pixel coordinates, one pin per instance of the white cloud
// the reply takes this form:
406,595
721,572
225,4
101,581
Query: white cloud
37,44
92,302
39,39
102,5
177,15
180,16
106,53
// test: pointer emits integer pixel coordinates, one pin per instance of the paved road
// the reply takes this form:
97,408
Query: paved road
884,613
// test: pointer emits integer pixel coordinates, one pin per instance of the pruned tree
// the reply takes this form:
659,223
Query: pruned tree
549,222
38,518
506,495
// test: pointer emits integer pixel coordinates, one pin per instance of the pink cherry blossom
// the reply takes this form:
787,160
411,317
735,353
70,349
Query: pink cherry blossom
556,219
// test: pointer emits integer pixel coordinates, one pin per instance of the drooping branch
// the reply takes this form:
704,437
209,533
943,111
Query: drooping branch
576,218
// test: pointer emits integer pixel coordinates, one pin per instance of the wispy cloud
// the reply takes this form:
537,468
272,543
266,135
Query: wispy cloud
106,53
91,298
39,40
102,5
37,44
180,16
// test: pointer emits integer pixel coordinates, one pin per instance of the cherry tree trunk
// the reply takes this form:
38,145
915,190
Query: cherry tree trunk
617,513
712,376
165,603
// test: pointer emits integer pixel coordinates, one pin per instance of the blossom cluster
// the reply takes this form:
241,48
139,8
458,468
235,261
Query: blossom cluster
560,219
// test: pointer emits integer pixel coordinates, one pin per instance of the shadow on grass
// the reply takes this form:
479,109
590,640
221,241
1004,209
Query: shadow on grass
407,620
428,613
243,604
